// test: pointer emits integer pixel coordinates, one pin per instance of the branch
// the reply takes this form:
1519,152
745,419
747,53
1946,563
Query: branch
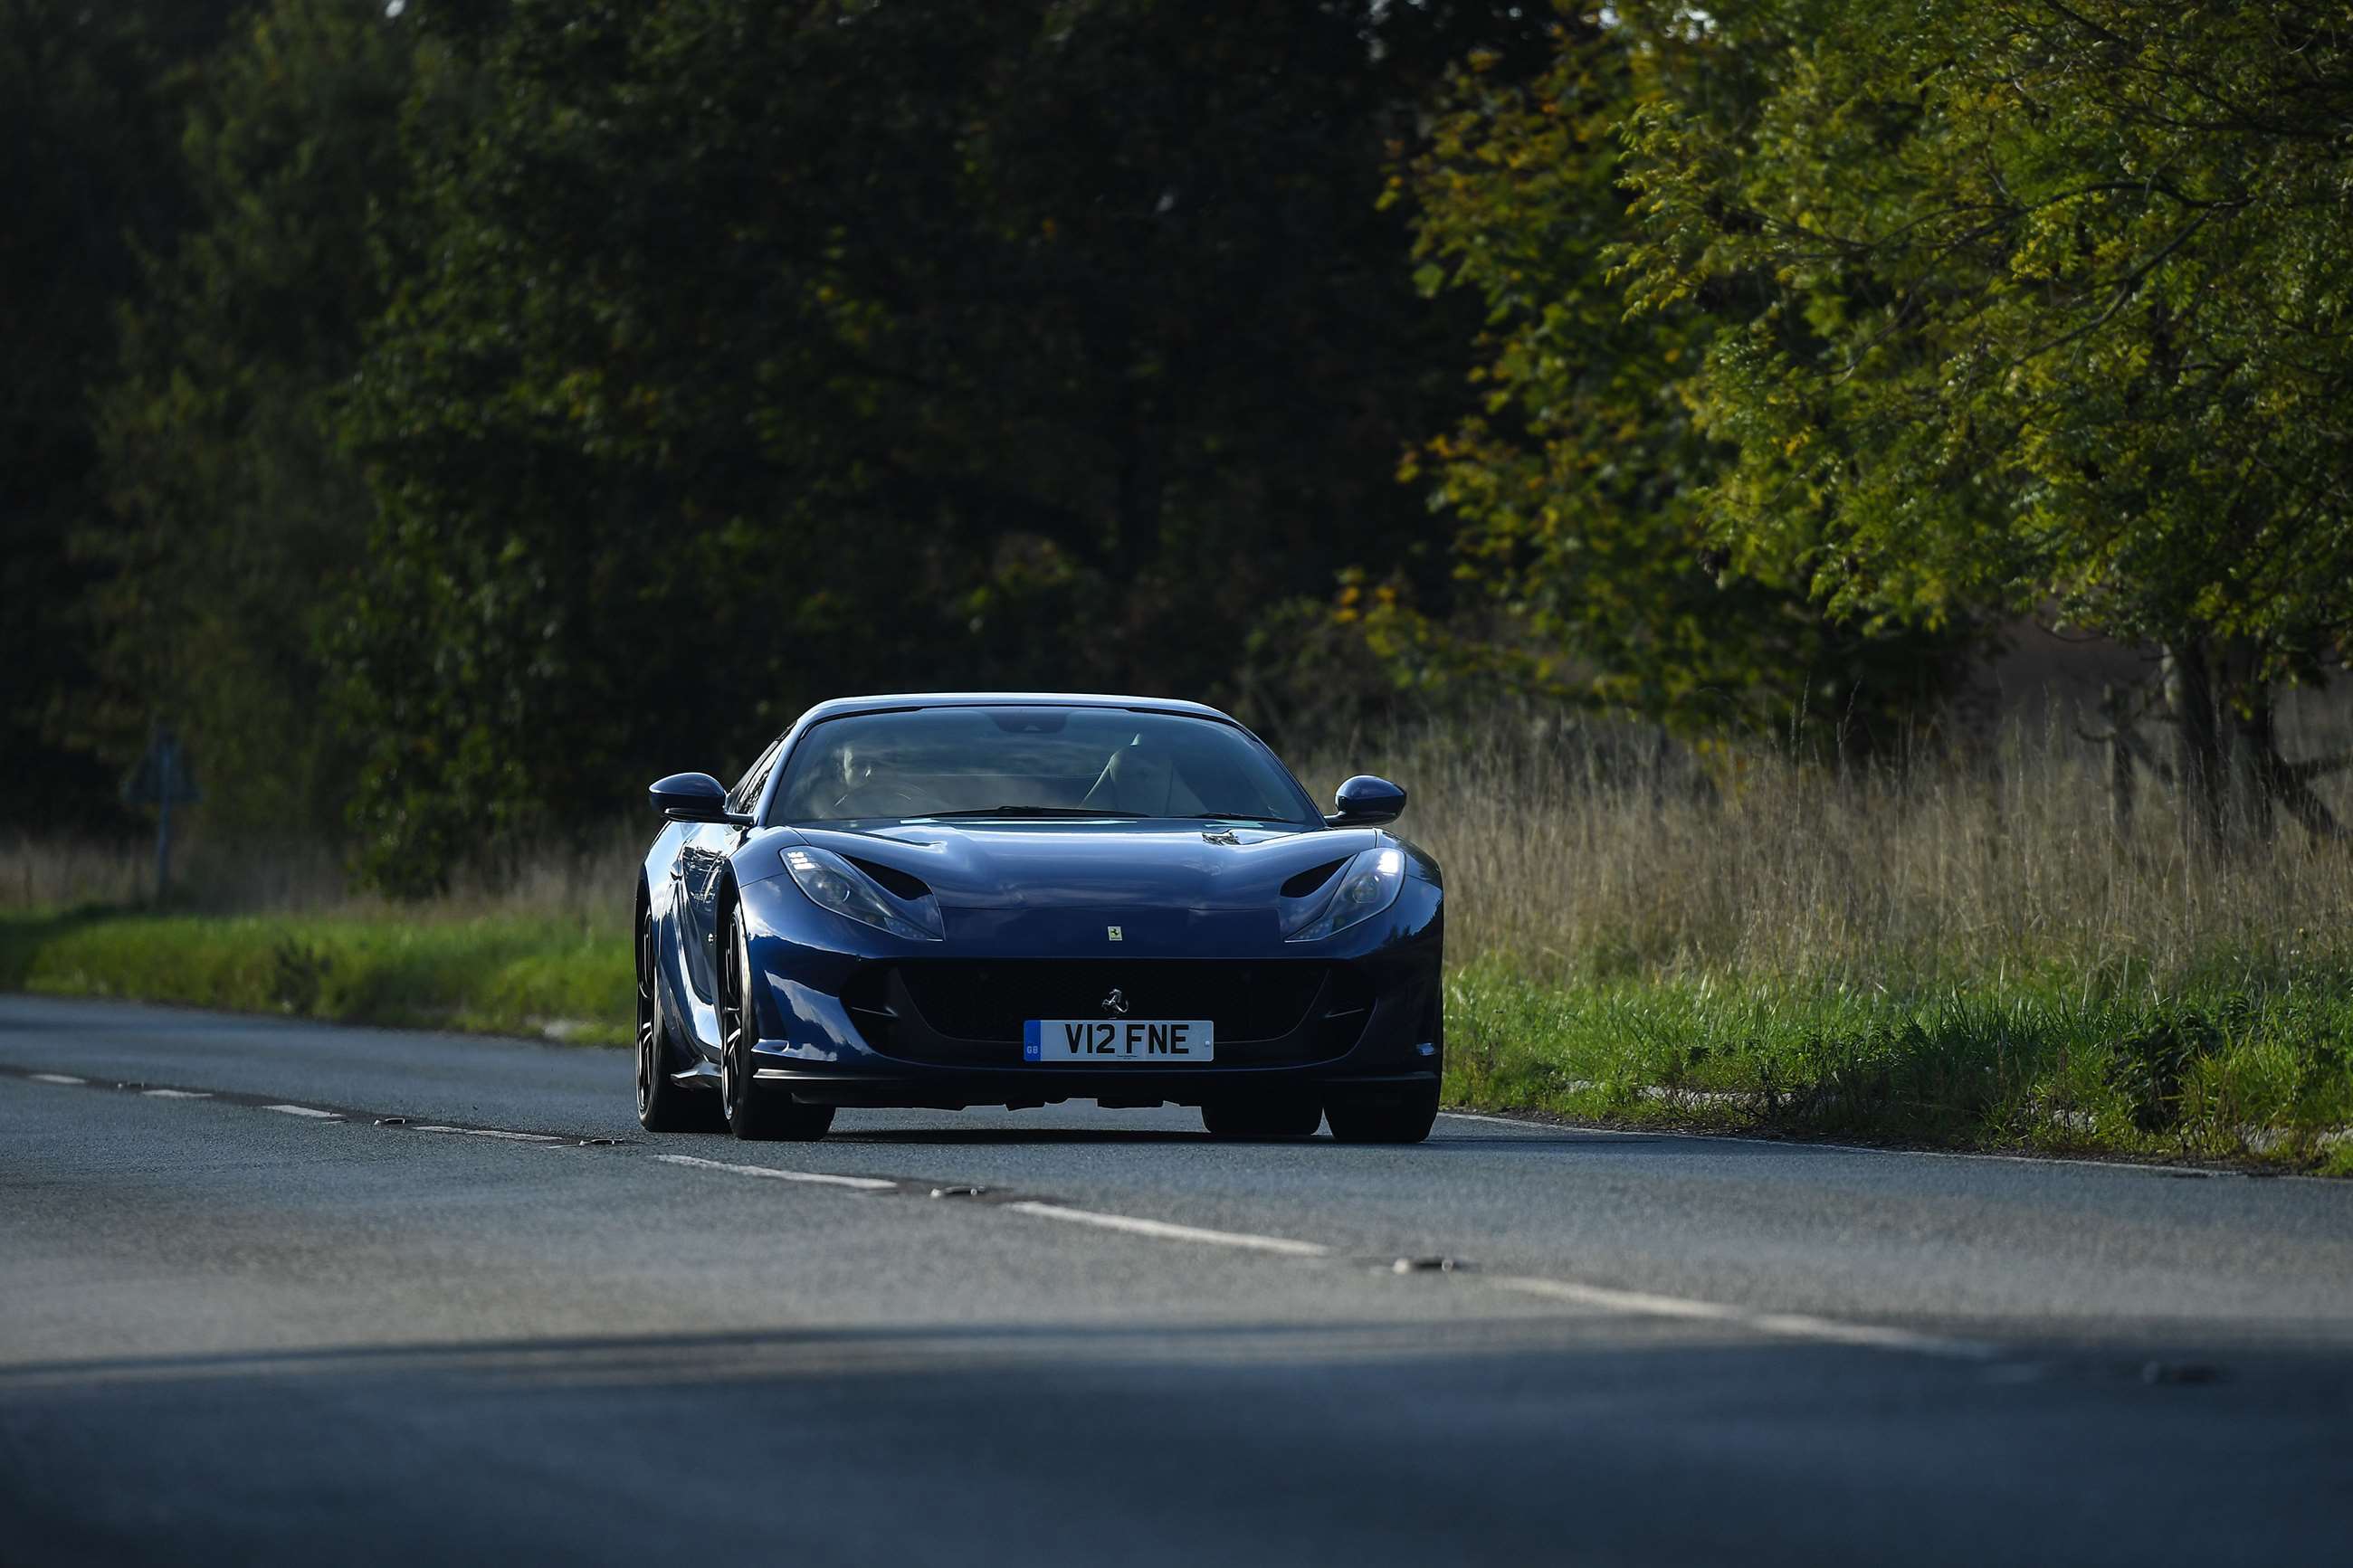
2126,290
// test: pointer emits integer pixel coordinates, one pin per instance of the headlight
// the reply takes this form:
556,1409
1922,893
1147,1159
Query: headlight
1369,884
833,883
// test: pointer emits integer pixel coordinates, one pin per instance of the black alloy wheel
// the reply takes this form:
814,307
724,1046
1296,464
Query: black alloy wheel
663,1105
754,1114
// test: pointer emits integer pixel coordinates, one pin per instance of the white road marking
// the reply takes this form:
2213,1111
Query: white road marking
493,1132
1164,1231
819,1178
305,1111
1517,1122
177,1093
1789,1325
55,1078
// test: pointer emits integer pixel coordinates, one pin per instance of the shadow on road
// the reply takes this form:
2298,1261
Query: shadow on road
1554,1439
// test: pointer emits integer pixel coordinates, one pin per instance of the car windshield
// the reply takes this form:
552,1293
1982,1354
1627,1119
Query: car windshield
1013,762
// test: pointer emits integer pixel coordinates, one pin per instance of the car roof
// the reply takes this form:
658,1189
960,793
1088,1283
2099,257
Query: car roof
836,706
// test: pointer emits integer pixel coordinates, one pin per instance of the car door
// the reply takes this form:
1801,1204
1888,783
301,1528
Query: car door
701,863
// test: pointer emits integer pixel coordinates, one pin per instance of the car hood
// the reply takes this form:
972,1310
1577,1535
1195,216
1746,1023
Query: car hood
1197,867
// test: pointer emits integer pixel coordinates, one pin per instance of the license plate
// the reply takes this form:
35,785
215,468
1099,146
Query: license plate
1118,1040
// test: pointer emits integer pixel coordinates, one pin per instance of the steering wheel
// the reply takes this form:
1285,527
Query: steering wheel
879,800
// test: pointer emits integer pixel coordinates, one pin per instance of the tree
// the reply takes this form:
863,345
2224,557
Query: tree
89,110
233,517
2036,303
1579,486
757,353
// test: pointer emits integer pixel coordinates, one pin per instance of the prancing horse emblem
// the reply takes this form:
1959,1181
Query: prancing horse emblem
1116,1003
1111,934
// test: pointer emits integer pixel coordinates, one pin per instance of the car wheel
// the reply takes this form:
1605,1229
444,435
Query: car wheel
1384,1115
662,1106
1291,1115
754,1114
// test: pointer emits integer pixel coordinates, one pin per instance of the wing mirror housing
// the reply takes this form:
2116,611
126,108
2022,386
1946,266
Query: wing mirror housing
692,797
1365,801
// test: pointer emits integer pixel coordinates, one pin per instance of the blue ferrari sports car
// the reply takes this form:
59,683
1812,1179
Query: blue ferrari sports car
1017,899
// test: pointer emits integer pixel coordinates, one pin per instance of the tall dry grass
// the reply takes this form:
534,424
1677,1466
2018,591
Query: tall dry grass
1592,853
589,888
50,872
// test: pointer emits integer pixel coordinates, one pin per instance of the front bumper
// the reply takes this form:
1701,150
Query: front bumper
849,1021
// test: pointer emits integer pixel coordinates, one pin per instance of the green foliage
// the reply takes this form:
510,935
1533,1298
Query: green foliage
2037,304
1580,486
750,357
90,98
233,517
2253,1070
452,419
494,975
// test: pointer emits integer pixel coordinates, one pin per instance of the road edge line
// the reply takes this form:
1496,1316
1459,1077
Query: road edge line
1167,1230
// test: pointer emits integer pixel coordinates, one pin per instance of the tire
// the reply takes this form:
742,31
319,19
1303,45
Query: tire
1281,1115
1403,1114
754,1114
662,1106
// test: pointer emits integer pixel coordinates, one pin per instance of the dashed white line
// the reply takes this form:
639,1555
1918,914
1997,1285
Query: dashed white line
1792,1325
1788,1325
1164,1231
493,1132
817,1178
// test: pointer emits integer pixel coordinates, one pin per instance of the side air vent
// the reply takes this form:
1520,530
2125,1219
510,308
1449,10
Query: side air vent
1307,882
896,880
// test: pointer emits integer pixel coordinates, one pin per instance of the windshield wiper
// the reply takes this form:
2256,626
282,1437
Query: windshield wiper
1038,811
1235,817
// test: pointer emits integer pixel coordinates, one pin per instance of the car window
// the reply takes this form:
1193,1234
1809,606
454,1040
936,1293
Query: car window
746,793
1052,760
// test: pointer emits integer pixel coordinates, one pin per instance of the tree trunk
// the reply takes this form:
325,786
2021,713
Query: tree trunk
2198,740
2277,781
2258,762
2117,703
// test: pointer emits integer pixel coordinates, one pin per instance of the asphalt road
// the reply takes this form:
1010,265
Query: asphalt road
236,1331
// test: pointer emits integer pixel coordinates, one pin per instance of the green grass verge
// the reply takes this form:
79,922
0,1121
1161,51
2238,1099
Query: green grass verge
494,975
2250,1065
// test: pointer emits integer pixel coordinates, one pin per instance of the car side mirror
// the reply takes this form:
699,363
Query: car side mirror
692,798
1365,801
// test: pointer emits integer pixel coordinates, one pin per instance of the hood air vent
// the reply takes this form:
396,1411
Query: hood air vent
1315,876
895,881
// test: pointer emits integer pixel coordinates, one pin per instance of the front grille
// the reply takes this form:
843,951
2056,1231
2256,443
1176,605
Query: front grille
971,1011
982,1000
